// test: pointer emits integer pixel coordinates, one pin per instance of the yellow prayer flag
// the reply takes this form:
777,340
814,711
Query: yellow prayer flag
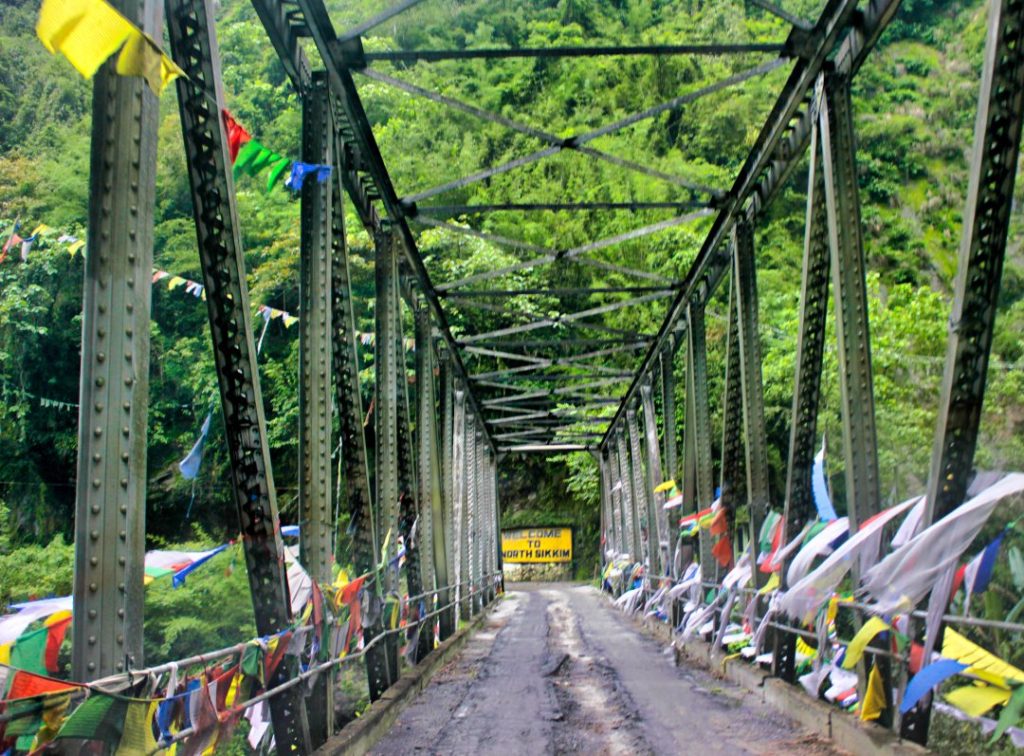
804,649
57,617
874,697
290,320
137,738
855,650
977,700
175,282
143,57
42,228
75,246
771,585
956,646
87,32
668,484
5,653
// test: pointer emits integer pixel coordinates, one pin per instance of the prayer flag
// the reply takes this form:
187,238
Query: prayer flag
874,697
826,512
976,700
301,171
977,574
237,135
87,32
855,650
142,56
75,246
190,465
927,679
26,247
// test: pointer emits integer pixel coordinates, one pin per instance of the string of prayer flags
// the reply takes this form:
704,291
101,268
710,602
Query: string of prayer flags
88,32
302,171
253,158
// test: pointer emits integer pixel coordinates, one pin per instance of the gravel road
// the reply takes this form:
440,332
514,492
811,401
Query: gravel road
556,670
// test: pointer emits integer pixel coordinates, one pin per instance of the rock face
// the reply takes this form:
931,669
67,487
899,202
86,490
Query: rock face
542,572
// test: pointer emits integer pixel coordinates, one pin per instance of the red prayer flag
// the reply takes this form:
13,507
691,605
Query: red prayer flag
720,524
722,551
237,135
54,639
28,685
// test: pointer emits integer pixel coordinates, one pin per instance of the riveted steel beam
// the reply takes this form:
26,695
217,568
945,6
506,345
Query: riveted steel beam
657,520
755,432
110,499
776,152
856,384
316,492
997,134
348,397
697,386
410,56
733,477
314,341
448,524
460,456
386,369
193,39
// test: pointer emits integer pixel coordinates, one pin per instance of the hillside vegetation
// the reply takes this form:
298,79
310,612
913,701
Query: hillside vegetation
915,102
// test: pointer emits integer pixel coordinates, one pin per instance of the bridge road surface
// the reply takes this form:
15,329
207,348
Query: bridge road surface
556,669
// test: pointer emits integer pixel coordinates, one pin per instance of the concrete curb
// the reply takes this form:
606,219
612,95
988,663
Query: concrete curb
847,732
359,736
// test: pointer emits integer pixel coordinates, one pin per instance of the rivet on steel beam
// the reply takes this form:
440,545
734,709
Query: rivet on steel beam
96,483
95,535
93,587
100,357
125,431
100,381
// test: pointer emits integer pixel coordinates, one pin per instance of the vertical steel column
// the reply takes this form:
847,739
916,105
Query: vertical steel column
200,100
110,499
607,538
753,390
997,134
697,387
472,513
315,488
488,540
810,350
409,497
842,205
348,395
630,528
668,408
446,527
431,529
615,491
733,480
314,340
460,457
639,495
656,501
386,370
500,559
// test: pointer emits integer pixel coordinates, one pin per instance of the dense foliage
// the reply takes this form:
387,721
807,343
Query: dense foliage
914,103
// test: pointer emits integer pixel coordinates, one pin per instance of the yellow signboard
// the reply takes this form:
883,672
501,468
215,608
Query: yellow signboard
532,545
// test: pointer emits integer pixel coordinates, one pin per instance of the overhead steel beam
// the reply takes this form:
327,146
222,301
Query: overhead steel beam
578,140
110,496
583,290
360,139
551,139
545,448
776,151
432,56
449,211
201,102
385,15
284,35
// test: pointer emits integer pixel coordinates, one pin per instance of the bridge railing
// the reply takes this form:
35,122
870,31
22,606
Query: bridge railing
812,118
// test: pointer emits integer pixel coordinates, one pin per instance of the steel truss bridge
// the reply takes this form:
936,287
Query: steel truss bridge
474,413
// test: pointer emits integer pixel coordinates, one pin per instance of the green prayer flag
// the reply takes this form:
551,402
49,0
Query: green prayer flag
245,156
1011,714
277,171
99,717
29,652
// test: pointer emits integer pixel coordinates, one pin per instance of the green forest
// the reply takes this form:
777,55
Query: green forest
915,105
